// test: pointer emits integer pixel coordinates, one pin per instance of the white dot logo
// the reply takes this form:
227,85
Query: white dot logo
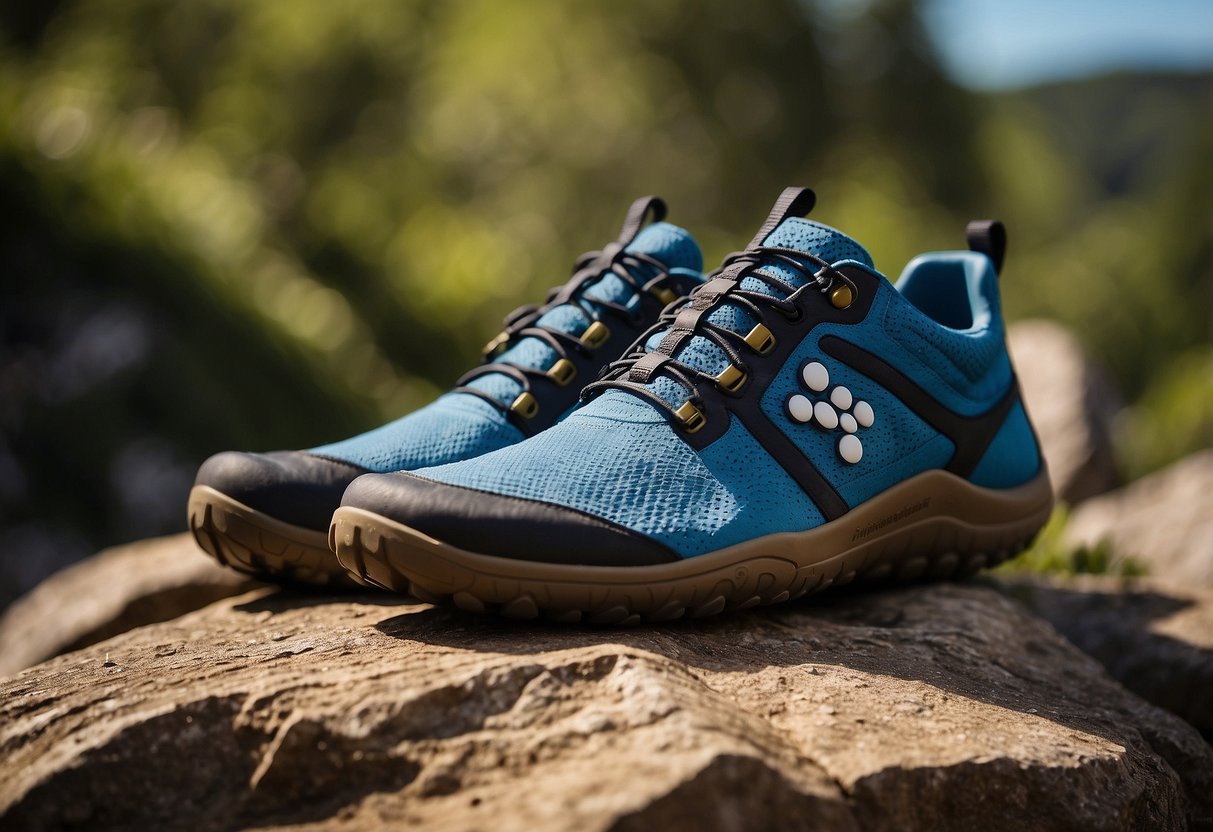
839,409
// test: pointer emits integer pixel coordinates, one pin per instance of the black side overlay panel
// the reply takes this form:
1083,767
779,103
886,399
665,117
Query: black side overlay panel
502,526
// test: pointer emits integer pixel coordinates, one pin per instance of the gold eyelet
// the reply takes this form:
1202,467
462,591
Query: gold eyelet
664,295
731,378
595,335
562,372
692,418
492,347
842,296
761,339
526,406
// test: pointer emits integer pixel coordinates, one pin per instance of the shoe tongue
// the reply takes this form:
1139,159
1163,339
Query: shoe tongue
670,244
815,238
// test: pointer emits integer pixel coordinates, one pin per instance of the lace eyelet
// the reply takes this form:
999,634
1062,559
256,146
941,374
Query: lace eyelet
664,295
732,378
526,406
495,346
595,335
760,339
842,296
562,372
692,418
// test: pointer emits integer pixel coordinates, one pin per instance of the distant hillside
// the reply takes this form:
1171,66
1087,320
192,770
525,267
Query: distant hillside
1129,128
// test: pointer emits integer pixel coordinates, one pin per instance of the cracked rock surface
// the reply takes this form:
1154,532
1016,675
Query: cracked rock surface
933,707
1154,637
1164,521
116,590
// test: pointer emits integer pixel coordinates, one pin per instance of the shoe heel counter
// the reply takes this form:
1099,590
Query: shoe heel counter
1013,456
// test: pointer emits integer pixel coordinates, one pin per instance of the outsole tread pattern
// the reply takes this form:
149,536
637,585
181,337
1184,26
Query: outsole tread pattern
968,529
513,600
240,543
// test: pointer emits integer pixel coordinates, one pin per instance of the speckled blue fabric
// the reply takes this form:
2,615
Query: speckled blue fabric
618,458
455,426
1013,457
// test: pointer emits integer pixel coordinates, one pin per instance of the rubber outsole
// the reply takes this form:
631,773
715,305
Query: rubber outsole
934,525
257,544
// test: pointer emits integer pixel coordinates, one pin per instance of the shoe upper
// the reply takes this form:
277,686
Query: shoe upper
795,384
531,376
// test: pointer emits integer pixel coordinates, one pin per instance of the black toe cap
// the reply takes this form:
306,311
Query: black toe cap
293,486
508,527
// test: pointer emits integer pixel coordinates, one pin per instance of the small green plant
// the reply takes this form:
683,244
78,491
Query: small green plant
1050,554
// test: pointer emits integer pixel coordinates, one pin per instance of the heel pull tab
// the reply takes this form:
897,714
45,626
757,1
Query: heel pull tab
990,238
793,202
637,217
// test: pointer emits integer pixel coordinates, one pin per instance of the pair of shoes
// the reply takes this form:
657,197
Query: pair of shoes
796,421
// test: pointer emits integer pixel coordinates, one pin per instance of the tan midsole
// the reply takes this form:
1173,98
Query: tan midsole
933,497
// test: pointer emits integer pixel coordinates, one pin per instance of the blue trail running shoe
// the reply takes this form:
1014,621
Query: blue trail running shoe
797,422
268,513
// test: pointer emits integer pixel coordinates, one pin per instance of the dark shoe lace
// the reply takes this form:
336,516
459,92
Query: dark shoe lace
642,274
634,372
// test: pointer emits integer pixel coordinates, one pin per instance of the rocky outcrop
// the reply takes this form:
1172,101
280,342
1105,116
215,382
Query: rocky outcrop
936,707
1154,638
1165,521
112,592
1072,405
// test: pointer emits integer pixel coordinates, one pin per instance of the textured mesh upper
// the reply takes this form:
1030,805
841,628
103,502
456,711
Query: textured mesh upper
460,425
617,457
828,243
1012,458
456,426
973,361
930,368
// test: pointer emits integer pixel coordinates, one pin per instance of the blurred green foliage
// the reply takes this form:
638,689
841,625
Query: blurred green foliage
270,224
1050,555
1172,417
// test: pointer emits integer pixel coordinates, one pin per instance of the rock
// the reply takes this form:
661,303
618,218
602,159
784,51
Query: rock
1165,521
1154,638
937,707
110,593
1072,405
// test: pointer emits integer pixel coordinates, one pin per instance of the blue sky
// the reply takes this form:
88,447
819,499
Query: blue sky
1000,44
